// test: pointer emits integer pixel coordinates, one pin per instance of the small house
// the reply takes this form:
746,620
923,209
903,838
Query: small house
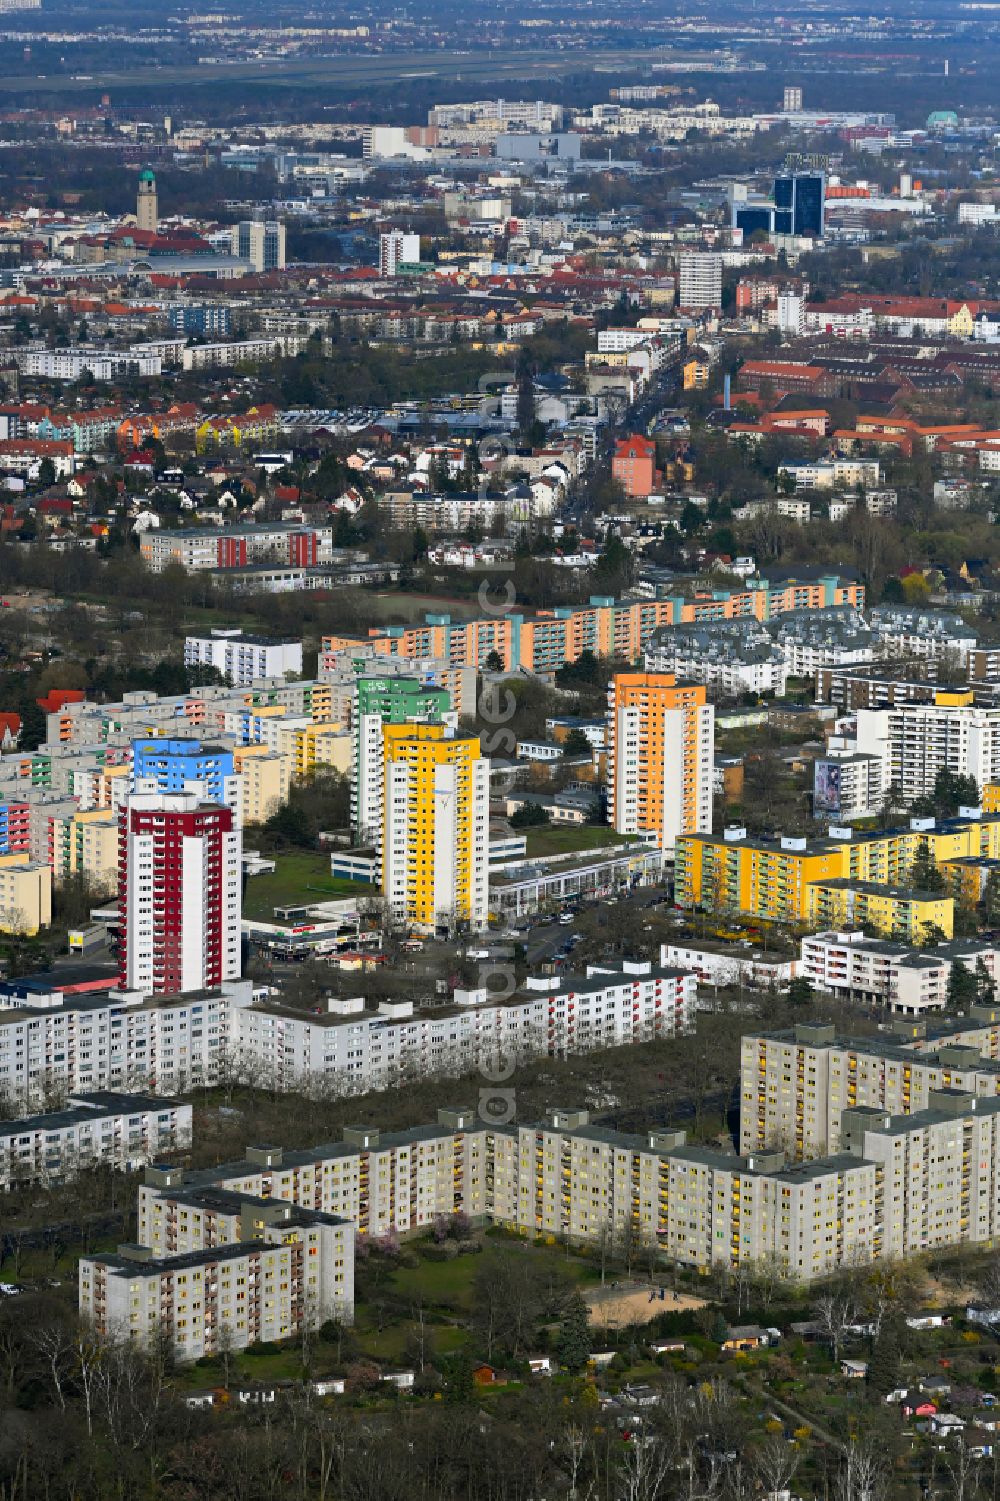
746,1337
854,1370
327,1386
198,1400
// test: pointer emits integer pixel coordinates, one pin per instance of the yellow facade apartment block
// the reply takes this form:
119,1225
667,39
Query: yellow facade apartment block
25,895
87,844
913,916
312,744
265,779
774,878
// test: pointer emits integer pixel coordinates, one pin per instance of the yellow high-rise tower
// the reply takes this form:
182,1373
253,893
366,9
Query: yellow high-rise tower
435,827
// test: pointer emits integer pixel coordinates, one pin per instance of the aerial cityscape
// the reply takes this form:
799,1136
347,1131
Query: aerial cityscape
499,752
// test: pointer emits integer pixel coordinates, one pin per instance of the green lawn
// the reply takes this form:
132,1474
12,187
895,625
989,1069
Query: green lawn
447,1283
572,839
301,877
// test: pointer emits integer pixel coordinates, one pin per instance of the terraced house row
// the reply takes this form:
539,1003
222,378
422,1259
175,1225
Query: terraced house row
607,627
252,1250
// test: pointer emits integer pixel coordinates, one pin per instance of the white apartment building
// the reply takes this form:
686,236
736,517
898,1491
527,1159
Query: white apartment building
118,1041
722,964
621,340
170,1044
833,474
122,1130
901,1183
559,1177
257,1271
383,1183
811,639
977,213
937,1171
242,351
609,1006
103,364
847,784
907,981
734,656
935,635
700,279
242,659
795,1085
231,547
441,512
916,741
395,249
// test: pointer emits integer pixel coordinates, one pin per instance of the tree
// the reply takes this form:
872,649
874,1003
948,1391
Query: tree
986,990
963,988
964,1470
573,1345
525,394
924,872
883,1364
643,1471
833,1312
864,1473
494,662
528,816
774,1463
576,744
614,567
46,472
800,991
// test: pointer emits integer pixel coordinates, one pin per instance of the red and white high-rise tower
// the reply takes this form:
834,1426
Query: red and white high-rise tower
179,884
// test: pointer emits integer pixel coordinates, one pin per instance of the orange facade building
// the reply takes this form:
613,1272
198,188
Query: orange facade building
548,639
661,745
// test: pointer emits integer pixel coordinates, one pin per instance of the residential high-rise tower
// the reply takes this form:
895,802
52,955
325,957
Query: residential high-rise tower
179,880
435,827
661,739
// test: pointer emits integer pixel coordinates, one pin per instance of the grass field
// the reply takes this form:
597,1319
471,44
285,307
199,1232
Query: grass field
301,877
571,840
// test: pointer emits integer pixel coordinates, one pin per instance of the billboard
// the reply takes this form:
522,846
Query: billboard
826,787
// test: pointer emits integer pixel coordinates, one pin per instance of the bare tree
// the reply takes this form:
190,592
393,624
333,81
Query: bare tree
887,1289
642,1474
964,1471
574,1450
54,1344
863,1474
834,1311
774,1463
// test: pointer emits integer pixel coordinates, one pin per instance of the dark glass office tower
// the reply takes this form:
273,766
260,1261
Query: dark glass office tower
754,220
798,204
